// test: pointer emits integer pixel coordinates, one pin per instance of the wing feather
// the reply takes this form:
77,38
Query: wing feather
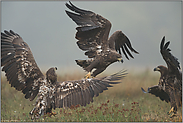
19,65
76,9
92,30
171,61
91,91
124,52
80,99
69,101
76,98
65,101
88,95
119,41
95,89
155,90
128,51
82,91
73,98
83,97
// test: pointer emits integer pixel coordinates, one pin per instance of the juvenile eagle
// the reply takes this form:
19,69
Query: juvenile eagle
170,82
23,74
92,35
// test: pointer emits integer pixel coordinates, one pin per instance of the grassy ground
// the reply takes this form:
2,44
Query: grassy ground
124,102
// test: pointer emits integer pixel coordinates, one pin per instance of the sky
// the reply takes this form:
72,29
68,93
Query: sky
50,33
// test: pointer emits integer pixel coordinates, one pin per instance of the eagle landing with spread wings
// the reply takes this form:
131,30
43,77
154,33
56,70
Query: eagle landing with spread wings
24,75
169,88
92,35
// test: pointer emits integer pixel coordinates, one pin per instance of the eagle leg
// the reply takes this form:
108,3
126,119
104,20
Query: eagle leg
174,112
173,115
39,108
36,112
171,110
88,75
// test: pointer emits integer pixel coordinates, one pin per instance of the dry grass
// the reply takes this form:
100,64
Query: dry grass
124,102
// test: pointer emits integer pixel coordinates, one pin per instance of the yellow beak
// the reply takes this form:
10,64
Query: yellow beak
120,59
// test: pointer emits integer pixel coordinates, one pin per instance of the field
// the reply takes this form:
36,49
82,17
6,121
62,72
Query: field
124,102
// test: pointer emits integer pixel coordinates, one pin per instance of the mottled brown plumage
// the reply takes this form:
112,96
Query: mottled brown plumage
169,87
23,74
92,35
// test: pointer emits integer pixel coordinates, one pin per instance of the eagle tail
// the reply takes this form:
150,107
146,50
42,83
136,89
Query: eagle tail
83,63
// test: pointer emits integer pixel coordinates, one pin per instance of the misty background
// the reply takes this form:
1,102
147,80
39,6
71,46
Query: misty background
50,33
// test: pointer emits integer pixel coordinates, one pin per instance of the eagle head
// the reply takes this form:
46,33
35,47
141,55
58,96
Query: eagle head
162,69
114,57
51,75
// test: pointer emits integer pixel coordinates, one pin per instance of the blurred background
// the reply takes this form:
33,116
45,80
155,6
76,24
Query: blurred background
50,33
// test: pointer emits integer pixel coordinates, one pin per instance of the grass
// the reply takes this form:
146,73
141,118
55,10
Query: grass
124,102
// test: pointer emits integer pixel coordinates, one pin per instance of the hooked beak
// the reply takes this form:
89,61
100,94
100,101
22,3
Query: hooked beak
156,69
120,60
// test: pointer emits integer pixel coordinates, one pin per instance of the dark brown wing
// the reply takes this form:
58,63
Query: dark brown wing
171,61
119,41
82,91
92,32
155,90
19,65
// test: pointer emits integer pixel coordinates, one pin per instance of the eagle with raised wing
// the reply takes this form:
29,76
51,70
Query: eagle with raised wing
169,88
24,75
92,35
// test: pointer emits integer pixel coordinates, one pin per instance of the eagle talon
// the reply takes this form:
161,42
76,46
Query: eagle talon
173,115
51,113
87,76
171,110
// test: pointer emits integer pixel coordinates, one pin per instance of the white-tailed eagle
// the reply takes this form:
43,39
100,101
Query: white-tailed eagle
169,87
92,35
22,72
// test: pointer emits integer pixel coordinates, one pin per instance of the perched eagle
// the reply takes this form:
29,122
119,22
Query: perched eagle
23,74
170,82
92,35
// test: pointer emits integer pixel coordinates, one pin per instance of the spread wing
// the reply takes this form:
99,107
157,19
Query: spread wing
19,65
82,91
171,61
92,32
155,90
119,41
